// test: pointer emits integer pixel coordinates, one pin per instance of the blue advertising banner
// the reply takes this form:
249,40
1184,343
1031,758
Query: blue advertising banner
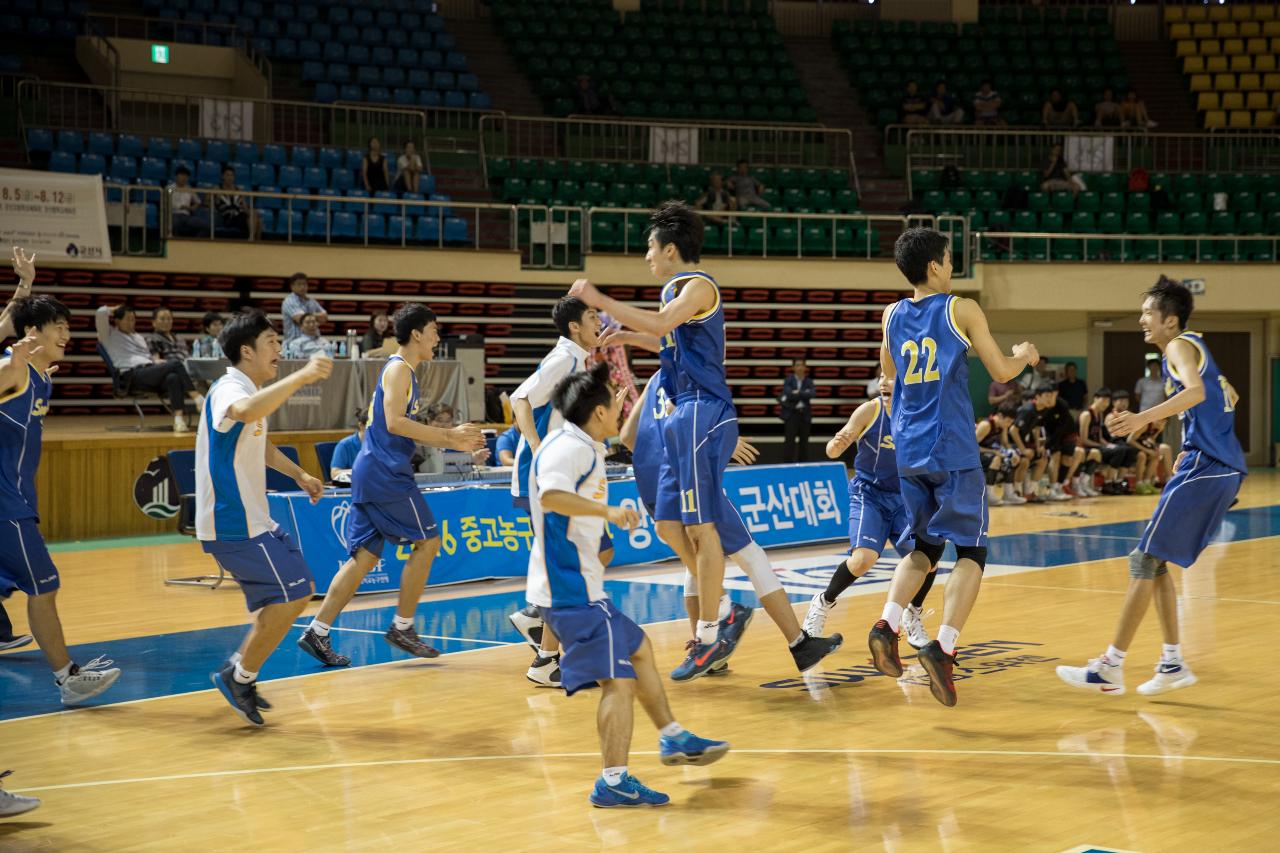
483,536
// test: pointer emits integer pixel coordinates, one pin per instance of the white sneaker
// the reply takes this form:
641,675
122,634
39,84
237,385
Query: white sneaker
15,804
88,681
913,627
1056,493
180,426
545,672
1100,676
993,497
1011,496
816,619
529,624
17,642
1169,676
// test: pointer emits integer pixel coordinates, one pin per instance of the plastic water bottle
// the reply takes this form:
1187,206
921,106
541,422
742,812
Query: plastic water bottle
353,349
342,349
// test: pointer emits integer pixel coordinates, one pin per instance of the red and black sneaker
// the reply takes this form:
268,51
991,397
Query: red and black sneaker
883,642
939,665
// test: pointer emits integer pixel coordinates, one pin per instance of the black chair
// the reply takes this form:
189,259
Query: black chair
324,452
121,390
183,465
277,482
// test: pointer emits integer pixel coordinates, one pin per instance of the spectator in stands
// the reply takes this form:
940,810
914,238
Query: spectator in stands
1106,113
1059,112
589,100
506,446
344,454
131,357
190,216
1149,390
165,345
373,168
797,392
716,197
408,170
1055,174
945,107
914,108
986,105
1072,389
207,346
234,217
748,190
1133,112
999,393
443,416
298,303
381,338
309,342
1041,374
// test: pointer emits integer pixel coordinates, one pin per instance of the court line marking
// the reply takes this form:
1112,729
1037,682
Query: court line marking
996,581
1083,535
402,762
427,636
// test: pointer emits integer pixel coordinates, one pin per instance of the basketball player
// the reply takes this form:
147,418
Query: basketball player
25,564
535,417
568,493
926,341
1155,459
386,503
1192,506
876,513
1116,457
1028,438
700,434
1000,458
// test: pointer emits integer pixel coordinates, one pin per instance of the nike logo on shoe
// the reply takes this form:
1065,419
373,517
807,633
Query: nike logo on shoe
701,661
632,796
1110,689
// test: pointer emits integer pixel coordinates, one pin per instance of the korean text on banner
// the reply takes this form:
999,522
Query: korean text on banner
59,217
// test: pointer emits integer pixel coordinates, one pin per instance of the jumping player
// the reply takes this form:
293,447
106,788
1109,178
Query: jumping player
570,511
1205,481
233,523
386,504
926,341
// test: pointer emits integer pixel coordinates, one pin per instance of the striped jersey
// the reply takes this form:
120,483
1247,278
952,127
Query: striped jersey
877,460
1210,425
22,414
565,358
383,470
693,353
231,466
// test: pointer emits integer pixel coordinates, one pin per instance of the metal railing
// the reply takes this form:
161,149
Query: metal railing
668,141
98,39
451,130
1123,247
172,30
127,225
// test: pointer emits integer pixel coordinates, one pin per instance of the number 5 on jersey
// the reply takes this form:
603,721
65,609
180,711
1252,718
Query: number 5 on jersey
912,351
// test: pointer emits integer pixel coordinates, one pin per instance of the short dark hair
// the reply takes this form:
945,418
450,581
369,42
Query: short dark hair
409,318
298,276
742,163
160,308
121,310
1046,387
305,315
568,309
182,170
242,330
209,319
1172,298
1008,409
362,416
915,248
227,167
1102,392
38,312
1070,364
577,395
1120,394
678,223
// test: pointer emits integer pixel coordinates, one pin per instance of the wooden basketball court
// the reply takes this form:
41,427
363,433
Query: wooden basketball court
462,752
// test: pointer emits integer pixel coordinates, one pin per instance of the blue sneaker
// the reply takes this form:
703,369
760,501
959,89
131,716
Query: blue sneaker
688,748
733,626
629,792
701,657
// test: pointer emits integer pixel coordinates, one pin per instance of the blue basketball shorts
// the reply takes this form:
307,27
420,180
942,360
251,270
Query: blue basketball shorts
947,506
698,440
606,541
877,516
597,641
25,563
371,525
732,530
269,568
1191,509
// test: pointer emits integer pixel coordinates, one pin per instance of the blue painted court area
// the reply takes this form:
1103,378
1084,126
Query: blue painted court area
176,663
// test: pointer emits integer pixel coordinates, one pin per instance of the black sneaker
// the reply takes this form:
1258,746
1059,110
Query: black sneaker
810,651
721,668
243,698
263,704
406,640
321,649
545,672
939,664
883,642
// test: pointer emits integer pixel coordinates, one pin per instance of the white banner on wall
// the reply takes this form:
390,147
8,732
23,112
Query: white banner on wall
221,119
673,144
1090,154
59,217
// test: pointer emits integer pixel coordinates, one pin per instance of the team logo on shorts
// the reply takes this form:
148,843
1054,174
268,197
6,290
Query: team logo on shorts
338,521
156,491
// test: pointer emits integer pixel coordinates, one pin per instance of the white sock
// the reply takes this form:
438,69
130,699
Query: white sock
947,637
244,676
613,776
725,606
402,623
892,614
63,674
672,729
321,629
235,658
1115,656
707,632
1171,653
545,653
798,640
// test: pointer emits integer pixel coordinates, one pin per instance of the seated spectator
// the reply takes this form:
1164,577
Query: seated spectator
716,197
207,346
442,416
1000,393
506,445
986,105
165,345
1072,390
408,170
1059,112
309,342
945,107
190,216
914,108
117,329
344,455
589,100
1055,175
381,338
298,303
373,168
234,219
1106,113
1133,112
747,189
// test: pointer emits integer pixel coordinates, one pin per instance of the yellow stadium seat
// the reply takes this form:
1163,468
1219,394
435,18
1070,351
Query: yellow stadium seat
1210,47
1215,118
1203,31
1257,46
1232,100
1216,64
1210,101
1197,13
1232,46
1275,100
1256,101
1264,118
1224,82
1188,47
1264,62
1179,31
1173,13
1241,62
1264,13
1250,29
1240,118
1227,29
1192,64
1275,43
1271,28
1250,82
1241,12
1204,83
1271,82
1219,13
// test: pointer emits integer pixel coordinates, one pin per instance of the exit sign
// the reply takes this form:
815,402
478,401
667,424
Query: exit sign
160,54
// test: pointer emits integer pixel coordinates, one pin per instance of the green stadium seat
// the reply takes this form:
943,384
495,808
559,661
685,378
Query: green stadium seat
987,200
606,232
1138,222
974,179
1242,201
1273,222
1067,250
1113,201
1089,201
513,189
1109,222
1063,201
1051,221
1223,222
923,180
934,200
1249,222
1000,180
1140,202
1025,220
527,168
1168,222
1194,222
960,200
1142,250
845,200
499,168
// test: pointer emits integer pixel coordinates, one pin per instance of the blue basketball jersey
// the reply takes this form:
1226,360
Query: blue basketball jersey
695,349
1209,426
877,460
383,470
21,428
648,452
932,412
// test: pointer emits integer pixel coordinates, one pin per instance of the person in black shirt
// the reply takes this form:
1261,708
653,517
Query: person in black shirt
1116,457
1072,389
1028,437
373,169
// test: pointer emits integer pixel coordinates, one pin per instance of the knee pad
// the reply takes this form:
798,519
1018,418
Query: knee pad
993,477
977,553
1144,566
690,585
931,551
755,562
